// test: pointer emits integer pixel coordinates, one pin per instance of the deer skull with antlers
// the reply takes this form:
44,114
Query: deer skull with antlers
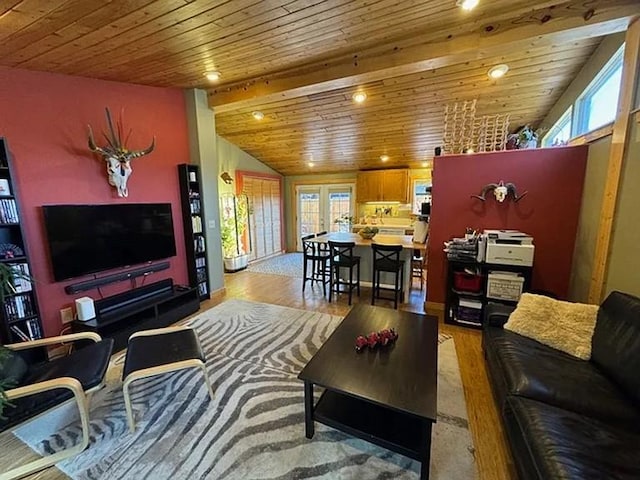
117,155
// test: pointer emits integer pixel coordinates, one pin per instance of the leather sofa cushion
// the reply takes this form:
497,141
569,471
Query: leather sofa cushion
532,370
616,341
147,351
555,443
88,365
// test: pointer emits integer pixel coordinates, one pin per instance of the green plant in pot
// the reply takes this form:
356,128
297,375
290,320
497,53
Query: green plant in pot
235,217
527,138
8,363
5,383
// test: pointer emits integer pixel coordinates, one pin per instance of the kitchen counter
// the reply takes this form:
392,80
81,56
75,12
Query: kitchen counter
406,226
385,229
363,250
405,240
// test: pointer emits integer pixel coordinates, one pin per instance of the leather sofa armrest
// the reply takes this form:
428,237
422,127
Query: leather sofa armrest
497,314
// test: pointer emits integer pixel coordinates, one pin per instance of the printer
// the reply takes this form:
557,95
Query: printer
509,247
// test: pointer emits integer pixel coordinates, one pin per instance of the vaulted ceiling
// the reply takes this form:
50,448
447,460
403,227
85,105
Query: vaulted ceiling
300,61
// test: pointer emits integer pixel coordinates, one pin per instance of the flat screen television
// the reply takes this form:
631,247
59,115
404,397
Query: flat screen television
86,239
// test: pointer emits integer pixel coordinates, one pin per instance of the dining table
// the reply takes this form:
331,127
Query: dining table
364,251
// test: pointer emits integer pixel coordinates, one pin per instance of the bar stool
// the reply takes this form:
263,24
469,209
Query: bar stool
319,262
341,256
417,267
323,249
386,258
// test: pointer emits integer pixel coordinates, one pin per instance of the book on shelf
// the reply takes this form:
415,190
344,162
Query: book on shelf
21,277
18,307
30,331
19,333
8,211
196,224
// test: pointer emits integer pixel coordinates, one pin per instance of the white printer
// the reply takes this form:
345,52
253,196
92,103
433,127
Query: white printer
509,247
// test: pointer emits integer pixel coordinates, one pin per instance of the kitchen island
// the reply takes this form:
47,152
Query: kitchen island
363,250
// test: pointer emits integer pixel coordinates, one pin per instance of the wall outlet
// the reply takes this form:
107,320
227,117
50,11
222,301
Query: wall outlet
212,224
66,315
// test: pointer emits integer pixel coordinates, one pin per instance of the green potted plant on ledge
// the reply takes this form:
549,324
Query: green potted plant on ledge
234,227
7,278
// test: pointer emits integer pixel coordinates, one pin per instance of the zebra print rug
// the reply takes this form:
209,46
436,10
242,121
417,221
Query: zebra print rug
254,429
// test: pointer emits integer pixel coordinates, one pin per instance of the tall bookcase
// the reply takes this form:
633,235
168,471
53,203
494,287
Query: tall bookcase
193,216
19,313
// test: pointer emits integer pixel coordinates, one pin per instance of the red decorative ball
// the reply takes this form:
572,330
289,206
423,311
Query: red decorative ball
373,338
361,342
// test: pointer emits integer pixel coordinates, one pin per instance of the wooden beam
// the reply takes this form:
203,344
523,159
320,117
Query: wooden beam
565,22
617,152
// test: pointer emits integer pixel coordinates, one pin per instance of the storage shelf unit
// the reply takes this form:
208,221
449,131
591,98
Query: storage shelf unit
193,219
156,305
20,315
465,306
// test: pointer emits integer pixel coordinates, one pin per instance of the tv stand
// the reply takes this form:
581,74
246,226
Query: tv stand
152,306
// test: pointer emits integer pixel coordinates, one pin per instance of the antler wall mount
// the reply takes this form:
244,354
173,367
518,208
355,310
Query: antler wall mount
501,191
117,156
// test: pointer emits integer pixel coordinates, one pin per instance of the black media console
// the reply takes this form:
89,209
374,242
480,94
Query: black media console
155,305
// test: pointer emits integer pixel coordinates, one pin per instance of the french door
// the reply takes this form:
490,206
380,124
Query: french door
264,216
323,208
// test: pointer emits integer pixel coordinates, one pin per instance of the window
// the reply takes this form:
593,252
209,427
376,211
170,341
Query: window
560,133
598,103
421,194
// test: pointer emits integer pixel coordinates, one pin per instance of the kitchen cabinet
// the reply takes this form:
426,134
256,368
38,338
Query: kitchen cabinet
383,186
369,186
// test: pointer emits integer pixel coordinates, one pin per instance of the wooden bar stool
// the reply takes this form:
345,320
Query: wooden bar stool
317,261
386,258
417,267
341,256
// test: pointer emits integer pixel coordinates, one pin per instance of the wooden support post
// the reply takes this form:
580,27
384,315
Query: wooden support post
616,157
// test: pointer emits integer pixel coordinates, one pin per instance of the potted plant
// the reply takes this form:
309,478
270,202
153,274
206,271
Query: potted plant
345,221
7,277
235,220
527,138
5,384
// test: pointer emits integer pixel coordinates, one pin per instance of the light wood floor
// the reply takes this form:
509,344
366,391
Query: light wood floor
492,454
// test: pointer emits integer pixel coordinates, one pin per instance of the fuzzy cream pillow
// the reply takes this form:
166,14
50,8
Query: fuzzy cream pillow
561,325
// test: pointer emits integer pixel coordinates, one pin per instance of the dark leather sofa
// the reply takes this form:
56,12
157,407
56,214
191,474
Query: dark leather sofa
567,418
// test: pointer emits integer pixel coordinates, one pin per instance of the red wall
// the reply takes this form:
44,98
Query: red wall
44,118
553,177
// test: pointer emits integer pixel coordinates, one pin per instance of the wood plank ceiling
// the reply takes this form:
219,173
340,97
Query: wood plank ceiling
299,62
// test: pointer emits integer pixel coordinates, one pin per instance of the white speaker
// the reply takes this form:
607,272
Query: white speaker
85,309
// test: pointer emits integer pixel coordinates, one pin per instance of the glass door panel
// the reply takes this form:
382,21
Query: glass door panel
323,208
340,209
309,209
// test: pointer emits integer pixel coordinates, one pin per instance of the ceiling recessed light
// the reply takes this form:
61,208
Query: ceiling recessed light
311,164
258,115
384,158
359,97
425,164
467,4
498,71
212,76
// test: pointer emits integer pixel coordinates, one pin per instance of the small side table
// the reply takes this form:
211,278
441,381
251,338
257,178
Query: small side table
158,351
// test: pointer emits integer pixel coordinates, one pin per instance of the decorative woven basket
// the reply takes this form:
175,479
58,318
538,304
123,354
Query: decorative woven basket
366,236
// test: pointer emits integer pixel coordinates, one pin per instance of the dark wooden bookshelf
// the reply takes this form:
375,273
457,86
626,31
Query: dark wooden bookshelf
20,308
194,224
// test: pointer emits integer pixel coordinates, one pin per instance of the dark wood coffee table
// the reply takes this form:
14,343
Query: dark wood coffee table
385,396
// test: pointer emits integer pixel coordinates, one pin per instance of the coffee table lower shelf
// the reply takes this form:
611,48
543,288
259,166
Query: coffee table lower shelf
399,432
